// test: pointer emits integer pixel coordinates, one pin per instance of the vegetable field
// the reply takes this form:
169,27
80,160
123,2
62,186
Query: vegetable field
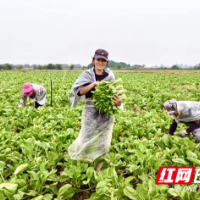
34,163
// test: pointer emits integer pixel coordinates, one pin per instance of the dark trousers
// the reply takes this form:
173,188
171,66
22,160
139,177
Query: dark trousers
195,130
37,105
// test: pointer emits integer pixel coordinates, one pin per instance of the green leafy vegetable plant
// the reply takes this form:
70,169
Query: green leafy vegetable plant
104,92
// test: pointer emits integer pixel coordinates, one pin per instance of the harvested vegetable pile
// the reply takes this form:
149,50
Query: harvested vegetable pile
103,94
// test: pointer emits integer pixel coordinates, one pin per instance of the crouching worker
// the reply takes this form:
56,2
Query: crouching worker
187,112
36,92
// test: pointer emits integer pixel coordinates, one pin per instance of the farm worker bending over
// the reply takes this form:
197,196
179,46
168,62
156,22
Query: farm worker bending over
96,129
187,112
36,92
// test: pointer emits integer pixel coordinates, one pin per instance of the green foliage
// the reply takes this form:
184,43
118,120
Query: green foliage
49,66
119,65
34,163
104,93
19,67
175,67
6,66
71,67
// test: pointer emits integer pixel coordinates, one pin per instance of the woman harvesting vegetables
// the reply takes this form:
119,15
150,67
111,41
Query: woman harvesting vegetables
96,128
187,112
36,92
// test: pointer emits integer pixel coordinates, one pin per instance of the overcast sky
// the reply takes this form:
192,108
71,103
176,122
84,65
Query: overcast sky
146,32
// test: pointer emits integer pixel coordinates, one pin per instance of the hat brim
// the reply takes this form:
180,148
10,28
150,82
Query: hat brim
29,94
97,57
26,90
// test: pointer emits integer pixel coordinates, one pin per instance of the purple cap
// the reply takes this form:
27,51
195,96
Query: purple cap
100,53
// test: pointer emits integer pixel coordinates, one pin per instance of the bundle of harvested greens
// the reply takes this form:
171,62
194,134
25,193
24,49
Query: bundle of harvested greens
103,94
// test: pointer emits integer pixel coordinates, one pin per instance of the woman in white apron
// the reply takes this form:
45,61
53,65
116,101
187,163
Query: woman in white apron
96,129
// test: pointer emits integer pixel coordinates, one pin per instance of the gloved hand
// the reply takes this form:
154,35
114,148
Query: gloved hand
20,105
182,133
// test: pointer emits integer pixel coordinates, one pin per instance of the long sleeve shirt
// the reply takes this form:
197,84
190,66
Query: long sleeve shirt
24,97
192,127
98,78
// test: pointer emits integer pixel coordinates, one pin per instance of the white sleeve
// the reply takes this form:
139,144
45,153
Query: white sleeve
121,107
23,99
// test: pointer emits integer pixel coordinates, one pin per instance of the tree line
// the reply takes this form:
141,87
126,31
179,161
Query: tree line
8,66
111,64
